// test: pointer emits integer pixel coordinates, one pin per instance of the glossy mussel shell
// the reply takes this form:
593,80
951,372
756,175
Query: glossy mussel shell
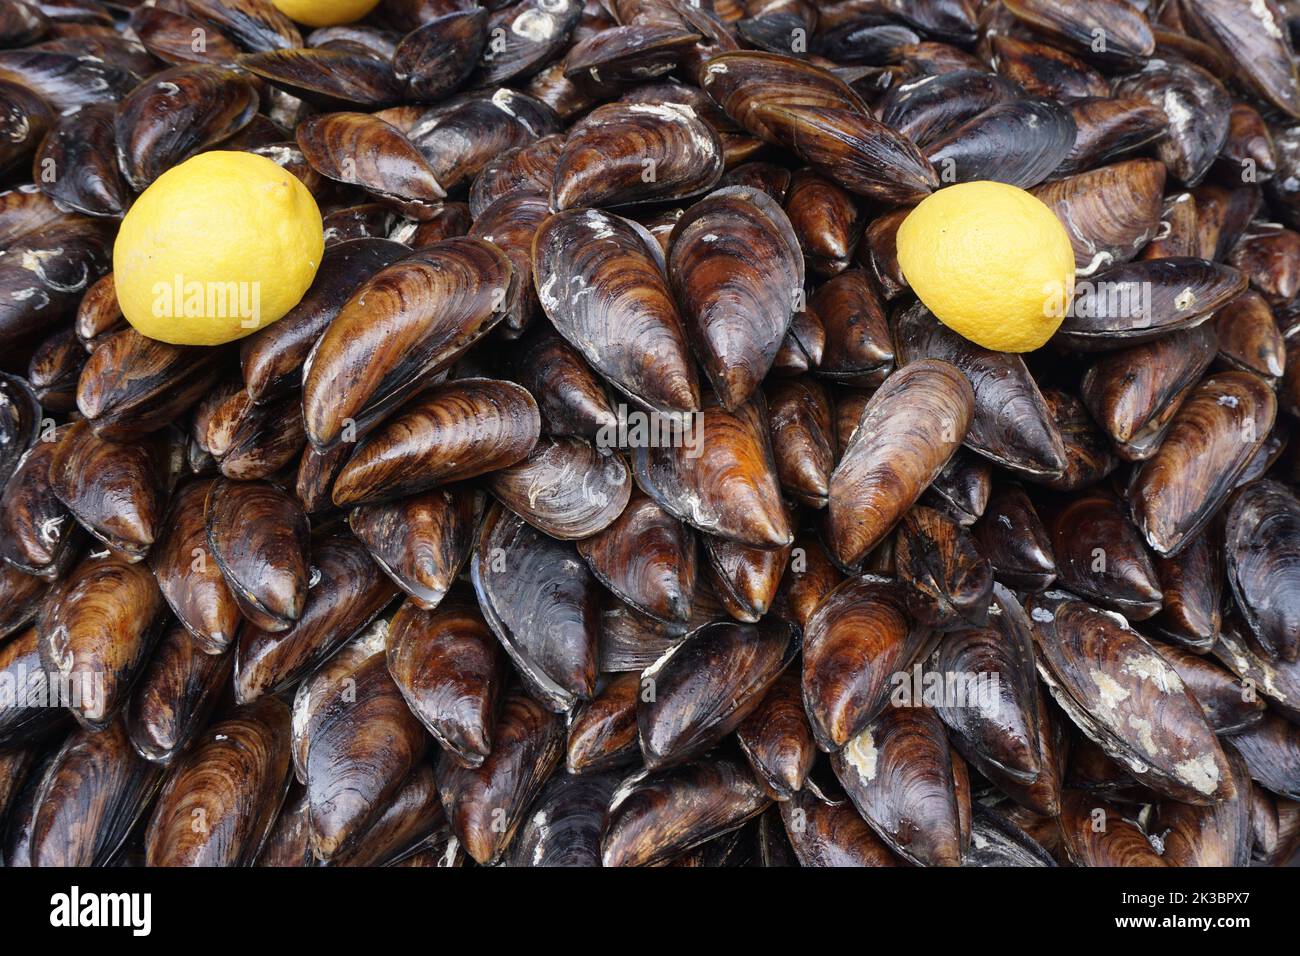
949,583
1262,551
566,487
362,150
175,695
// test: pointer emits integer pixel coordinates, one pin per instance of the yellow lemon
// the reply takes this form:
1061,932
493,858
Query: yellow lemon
219,246
325,13
992,262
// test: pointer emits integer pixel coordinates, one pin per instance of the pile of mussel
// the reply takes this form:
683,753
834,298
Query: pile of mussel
403,578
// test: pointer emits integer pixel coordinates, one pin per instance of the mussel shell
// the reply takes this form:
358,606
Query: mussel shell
1208,836
257,535
1256,43
170,36
439,57
565,488
96,631
601,283
564,824
777,739
221,800
857,639
450,670
1096,833
825,218
485,804
362,150
1043,132
1046,71
704,687
511,222
66,80
1192,585
949,583
328,78
28,715
1212,439
347,591
528,169
1128,33
176,693
1249,337
603,730
1124,696
1198,109
826,833
1228,706
654,817
1262,552
908,430
1272,752
38,535
72,254
1110,213
928,108
1110,128
542,603
80,152
54,369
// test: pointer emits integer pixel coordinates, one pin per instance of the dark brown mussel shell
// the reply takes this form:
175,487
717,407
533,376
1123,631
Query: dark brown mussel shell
191,582
362,150
1192,585
601,283
646,557
803,444
21,24
170,36
605,158
630,52
603,731
542,603
438,58
1198,109
175,695
737,270
570,396
525,37
826,830
1110,213
118,492
564,824
963,487
1262,551
1043,70
177,113
66,79
328,78
1097,833
1012,424
72,254
654,817
450,670
930,107
29,713
1042,130
1089,457
272,358
720,478
1249,337
81,153
98,313
132,385
453,431
54,370
1134,393
37,533
1258,46
21,423
252,24
1108,129
221,799
777,739
857,639
899,773
411,821
810,576
485,804
1100,555
1208,836
410,319
1211,440
527,169
565,488
705,686
1228,706
1140,301
251,441
1012,536
1128,699
347,591
826,220
1128,33
948,583
257,535
97,629
511,222
422,542
908,430
90,797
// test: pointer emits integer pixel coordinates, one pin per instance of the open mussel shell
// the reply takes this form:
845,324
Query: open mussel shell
221,799
347,591
564,823
542,603
450,670
907,432
857,639
1128,699
1262,552
606,156
899,773
646,557
1211,440
97,629
565,488
26,718
737,270
1095,832
600,281
272,357
422,542
358,149
257,535
716,474
704,687
90,797
38,535
485,804
457,430
949,583
1198,109
656,816
175,695
998,722
777,739
81,149
409,320
1042,130
603,730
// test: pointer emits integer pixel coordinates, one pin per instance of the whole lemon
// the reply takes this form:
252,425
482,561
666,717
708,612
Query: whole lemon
219,246
992,262
325,13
